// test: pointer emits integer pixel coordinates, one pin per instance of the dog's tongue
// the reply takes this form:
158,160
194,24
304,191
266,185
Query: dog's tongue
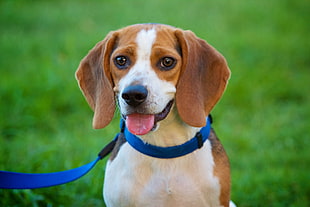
140,124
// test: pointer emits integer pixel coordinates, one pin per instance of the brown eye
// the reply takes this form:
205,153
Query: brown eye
122,62
167,63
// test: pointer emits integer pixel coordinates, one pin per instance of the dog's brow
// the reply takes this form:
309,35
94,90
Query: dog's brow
145,40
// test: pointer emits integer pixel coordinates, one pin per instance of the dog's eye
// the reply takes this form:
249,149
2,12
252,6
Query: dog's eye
122,62
167,63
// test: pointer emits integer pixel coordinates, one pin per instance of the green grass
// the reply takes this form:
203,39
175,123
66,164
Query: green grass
263,119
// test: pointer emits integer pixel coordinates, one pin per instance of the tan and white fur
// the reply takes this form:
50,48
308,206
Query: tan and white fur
194,83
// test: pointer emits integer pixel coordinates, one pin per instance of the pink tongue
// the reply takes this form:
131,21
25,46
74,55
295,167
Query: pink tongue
140,124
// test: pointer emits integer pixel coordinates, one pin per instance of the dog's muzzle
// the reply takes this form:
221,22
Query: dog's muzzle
141,123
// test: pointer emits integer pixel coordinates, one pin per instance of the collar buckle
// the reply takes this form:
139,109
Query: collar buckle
199,139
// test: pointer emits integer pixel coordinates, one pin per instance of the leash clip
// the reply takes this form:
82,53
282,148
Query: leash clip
108,148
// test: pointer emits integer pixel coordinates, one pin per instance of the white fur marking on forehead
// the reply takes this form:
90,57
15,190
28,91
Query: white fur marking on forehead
145,40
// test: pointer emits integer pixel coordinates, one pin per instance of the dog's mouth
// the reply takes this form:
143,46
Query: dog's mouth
141,124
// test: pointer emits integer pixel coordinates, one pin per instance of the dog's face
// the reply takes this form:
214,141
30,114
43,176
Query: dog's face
145,70
149,69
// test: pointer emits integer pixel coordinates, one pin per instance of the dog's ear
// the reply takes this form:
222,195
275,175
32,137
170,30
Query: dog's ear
202,81
94,78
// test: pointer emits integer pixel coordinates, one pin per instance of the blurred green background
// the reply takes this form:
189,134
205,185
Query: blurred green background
262,120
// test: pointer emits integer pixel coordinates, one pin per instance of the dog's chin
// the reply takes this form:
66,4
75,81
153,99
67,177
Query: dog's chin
143,123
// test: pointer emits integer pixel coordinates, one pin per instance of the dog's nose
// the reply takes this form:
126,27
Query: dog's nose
134,95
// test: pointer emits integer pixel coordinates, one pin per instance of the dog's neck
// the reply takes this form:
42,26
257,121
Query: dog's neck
171,131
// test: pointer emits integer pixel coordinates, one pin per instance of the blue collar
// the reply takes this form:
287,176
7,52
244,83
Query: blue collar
169,152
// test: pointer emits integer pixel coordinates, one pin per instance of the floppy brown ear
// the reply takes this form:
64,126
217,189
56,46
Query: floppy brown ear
94,78
203,78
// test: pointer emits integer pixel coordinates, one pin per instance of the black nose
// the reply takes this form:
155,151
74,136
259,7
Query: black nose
134,95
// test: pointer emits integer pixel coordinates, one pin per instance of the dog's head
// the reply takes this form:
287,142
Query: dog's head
148,69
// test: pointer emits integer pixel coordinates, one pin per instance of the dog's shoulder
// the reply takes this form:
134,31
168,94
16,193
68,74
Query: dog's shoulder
218,150
217,147
222,166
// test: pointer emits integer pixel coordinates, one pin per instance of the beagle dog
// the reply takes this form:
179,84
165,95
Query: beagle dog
165,82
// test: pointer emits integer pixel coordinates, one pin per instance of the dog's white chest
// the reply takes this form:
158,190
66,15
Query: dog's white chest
133,179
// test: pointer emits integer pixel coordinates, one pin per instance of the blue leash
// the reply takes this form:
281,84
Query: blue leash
14,180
